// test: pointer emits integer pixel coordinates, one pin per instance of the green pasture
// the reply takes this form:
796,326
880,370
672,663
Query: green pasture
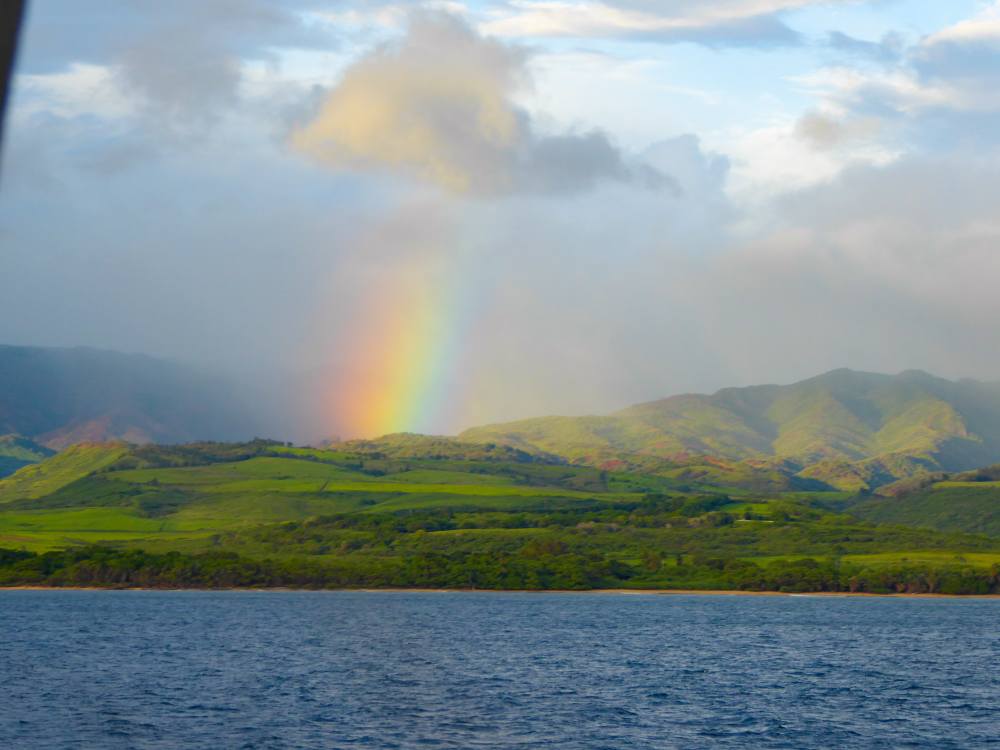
976,559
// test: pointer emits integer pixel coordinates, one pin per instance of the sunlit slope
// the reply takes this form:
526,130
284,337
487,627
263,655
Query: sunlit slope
417,511
71,465
17,451
850,429
115,492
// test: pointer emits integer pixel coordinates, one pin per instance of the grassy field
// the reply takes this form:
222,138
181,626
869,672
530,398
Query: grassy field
83,496
497,522
951,506
981,559
76,462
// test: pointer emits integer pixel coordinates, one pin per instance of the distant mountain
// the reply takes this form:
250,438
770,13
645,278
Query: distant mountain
412,445
17,451
847,429
58,397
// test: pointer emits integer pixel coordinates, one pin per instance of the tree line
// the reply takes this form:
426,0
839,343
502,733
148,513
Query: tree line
541,565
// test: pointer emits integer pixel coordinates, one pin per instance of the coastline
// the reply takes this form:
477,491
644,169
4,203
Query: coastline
606,592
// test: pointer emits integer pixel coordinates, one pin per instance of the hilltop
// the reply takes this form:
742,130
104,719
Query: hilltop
844,430
851,430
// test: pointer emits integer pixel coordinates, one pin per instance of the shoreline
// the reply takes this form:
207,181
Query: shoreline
606,592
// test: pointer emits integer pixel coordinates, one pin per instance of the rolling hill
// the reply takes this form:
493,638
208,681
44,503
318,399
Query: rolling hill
413,511
17,451
965,501
58,397
490,514
852,430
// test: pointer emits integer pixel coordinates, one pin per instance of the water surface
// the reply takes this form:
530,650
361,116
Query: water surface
136,669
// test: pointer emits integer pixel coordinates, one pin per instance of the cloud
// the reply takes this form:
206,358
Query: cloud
180,61
61,32
942,92
883,268
199,83
587,290
709,22
887,50
967,52
826,132
438,105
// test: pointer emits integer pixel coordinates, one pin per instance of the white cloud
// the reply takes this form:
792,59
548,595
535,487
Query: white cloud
438,105
709,21
82,89
943,90
983,27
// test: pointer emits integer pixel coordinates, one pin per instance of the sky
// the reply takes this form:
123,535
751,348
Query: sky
424,216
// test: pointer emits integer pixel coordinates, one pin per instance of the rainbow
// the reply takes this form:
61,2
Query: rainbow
404,351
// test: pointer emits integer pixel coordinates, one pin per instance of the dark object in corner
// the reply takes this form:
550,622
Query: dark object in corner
11,15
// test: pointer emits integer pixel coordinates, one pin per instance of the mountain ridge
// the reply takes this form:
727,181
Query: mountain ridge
853,430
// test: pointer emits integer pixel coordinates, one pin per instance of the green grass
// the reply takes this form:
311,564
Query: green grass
55,540
281,475
76,496
86,519
949,506
17,452
50,475
225,513
979,559
231,498
751,507
432,476
451,500
995,486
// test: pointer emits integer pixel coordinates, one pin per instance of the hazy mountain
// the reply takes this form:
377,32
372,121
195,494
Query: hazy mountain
17,451
850,429
58,397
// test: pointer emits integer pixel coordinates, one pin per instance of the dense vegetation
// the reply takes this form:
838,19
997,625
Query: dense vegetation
539,566
947,505
412,511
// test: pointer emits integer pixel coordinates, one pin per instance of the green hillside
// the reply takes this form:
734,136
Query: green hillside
846,429
967,502
17,451
74,463
414,511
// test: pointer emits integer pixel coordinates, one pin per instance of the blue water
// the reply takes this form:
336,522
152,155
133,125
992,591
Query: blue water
85,669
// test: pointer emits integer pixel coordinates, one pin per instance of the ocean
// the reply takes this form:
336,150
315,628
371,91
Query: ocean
148,669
